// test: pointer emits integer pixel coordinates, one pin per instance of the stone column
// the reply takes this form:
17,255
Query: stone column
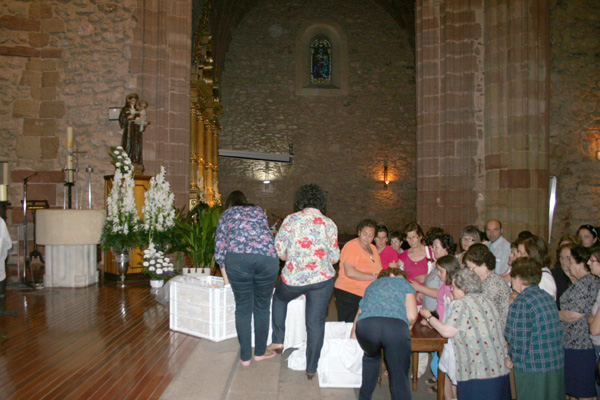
516,114
482,121
449,113
161,56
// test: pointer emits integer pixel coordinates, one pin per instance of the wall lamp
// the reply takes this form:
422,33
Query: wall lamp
386,180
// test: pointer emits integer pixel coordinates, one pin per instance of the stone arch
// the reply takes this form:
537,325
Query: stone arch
339,43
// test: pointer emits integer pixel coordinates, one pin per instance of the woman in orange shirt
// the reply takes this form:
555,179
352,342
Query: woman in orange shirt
359,266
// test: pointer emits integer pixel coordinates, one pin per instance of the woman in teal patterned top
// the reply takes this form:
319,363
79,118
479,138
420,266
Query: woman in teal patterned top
386,312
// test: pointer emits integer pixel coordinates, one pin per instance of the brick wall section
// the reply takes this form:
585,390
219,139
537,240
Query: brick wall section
516,116
575,114
64,63
482,116
161,60
340,142
449,113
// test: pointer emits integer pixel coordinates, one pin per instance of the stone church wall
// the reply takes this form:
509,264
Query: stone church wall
341,142
64,63
575,113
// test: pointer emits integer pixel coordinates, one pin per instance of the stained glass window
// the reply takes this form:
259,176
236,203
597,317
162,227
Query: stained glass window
320,61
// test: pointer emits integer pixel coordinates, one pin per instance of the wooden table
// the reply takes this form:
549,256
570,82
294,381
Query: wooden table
426,339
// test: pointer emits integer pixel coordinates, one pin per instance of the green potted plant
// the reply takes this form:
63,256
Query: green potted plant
194,236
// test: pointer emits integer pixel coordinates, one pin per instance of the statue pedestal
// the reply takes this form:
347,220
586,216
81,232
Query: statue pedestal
70,237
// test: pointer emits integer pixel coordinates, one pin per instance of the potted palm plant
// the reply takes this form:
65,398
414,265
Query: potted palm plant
194,236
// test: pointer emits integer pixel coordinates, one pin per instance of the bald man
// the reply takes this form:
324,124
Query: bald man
499,246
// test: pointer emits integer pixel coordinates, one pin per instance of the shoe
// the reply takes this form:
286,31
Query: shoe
277,348
431,381
310,376
268,354
245,363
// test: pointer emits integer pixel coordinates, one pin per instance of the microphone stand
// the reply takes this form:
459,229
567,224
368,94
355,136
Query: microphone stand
25,244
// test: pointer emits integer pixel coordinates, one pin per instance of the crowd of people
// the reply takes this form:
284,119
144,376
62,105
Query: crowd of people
507,310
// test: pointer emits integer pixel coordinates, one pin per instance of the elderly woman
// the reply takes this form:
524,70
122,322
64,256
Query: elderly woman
588,235
534,334
386,312
477,339
594,318
576,304
245,252
535,247
480,259
307,241
388,255
468,237
359,266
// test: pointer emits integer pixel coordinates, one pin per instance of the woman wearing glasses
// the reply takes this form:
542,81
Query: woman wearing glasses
469,236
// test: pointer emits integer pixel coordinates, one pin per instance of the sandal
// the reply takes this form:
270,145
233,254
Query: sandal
431,381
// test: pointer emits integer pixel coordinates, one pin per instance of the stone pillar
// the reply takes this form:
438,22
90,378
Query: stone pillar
516,114
449,113
161,56
482,121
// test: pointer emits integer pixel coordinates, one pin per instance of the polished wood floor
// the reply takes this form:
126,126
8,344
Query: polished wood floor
100,342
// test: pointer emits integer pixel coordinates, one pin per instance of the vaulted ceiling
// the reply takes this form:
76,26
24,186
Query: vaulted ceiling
227,14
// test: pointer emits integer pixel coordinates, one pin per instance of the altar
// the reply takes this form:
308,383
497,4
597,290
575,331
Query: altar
71,238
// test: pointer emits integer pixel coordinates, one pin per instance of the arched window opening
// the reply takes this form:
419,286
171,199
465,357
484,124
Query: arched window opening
320,62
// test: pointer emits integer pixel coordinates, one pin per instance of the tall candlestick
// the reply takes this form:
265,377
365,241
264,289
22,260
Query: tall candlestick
70,171
3,194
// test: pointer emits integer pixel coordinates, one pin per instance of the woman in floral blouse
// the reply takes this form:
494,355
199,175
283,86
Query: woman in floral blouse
307,241
245,252
480,259
478,341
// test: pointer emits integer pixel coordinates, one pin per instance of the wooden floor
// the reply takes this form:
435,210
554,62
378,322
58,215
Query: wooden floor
100,342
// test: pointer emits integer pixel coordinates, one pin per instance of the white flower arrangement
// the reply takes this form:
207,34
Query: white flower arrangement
121,229
156,264
158,209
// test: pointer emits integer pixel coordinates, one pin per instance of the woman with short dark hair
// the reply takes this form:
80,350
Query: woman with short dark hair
359,266
536,248
588,235
534,334
389,256
576,304
382,324
308,243
245,252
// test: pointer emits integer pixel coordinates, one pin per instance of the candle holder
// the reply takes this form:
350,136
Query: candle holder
69,182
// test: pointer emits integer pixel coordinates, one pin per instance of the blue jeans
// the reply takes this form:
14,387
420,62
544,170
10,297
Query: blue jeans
317,302
252,278
391,335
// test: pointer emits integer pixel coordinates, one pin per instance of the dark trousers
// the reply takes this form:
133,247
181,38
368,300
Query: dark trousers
252,278
317,301
347,305
392,336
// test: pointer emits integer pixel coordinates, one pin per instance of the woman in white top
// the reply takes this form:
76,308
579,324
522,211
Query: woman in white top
536,248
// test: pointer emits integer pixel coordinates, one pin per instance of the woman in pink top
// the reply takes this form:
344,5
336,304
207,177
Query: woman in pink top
389,256
414,261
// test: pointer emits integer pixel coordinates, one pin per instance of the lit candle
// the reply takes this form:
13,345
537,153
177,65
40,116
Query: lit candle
3,193
70,154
